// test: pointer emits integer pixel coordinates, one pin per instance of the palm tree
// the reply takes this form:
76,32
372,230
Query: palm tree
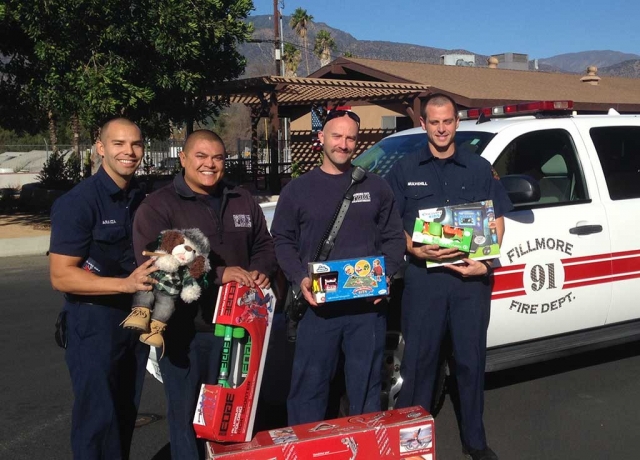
300,22
291,58
323,46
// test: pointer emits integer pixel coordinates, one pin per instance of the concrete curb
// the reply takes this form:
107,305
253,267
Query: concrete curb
30,246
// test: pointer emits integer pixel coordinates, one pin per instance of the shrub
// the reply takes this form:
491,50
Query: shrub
53,174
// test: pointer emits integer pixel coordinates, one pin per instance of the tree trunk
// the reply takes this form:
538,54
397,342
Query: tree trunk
306,55
75,129
189,118
53,131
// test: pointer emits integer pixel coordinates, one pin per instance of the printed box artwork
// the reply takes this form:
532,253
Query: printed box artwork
401,433
226,411
346,279
475,221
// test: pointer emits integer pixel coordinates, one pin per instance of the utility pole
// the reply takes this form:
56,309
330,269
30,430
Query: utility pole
274,150
276,29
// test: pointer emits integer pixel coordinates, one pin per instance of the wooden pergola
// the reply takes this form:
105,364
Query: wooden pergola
275,97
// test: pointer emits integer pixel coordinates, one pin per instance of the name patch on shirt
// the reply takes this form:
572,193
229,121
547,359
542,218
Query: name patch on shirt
416,184
242,220
108,221
362,197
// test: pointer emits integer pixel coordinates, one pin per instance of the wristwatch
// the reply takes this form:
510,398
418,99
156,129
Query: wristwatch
489,268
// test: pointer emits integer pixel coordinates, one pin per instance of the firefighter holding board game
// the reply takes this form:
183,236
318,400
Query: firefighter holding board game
455,296
370,227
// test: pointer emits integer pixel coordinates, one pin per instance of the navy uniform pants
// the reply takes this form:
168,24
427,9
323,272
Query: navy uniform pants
361,336
107,367
191,359
432,302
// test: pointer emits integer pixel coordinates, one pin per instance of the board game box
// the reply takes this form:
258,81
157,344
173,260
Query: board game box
226,410
347,279
395,434
477,218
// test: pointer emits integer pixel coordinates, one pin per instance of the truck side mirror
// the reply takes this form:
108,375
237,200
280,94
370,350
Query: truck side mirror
521,188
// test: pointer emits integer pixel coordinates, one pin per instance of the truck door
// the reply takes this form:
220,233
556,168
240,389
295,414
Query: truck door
617,149
555,253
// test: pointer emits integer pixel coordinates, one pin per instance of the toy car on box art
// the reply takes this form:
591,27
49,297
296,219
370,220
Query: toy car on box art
226,410
347,279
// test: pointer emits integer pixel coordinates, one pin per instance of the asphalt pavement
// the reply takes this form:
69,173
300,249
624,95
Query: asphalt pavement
582,407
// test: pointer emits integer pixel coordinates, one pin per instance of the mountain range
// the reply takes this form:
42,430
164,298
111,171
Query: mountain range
260,53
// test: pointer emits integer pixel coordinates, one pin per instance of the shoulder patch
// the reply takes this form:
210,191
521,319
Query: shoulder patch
496,176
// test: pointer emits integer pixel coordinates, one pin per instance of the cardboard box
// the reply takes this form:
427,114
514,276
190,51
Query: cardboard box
226,411
396,434
347,279
445,236
479,218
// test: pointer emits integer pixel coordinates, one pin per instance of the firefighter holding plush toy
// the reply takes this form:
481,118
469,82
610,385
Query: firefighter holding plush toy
182,262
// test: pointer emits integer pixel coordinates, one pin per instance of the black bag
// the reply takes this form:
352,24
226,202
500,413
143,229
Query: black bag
295,307
61,330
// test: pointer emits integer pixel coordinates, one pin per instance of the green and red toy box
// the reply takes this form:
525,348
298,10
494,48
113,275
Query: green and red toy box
396,434
469,227
226,411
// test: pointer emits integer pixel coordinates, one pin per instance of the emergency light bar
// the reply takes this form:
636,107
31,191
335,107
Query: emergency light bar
516,109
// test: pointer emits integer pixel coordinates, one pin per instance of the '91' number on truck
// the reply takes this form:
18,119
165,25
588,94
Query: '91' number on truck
540,275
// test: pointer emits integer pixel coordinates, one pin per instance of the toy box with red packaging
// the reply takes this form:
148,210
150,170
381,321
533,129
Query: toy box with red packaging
395,434
226,410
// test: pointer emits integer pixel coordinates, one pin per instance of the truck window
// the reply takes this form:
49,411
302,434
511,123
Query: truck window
618,149
380,158
548,156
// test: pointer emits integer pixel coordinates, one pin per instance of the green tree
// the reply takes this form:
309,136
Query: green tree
299,22
292,57
323,46
84,61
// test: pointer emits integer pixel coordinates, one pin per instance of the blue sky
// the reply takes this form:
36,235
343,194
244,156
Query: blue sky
539,28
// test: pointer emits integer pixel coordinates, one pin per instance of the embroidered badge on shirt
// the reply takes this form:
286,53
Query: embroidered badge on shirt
416,184
362,197
108,221
242,220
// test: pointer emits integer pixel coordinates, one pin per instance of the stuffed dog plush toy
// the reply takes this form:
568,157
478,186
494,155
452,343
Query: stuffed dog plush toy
182,261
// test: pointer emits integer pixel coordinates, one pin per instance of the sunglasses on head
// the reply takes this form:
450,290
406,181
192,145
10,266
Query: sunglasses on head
341,113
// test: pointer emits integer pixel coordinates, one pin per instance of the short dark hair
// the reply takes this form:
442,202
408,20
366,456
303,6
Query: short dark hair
205,134
122,120
437,99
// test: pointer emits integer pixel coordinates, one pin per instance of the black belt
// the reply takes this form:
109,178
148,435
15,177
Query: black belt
119,301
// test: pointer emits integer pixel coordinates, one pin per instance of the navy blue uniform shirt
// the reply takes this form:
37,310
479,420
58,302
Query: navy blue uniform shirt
94,221
421,181
306,207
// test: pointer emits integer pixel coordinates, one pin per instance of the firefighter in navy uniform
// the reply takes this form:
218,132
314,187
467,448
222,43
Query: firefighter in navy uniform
92,262
371,226
458,296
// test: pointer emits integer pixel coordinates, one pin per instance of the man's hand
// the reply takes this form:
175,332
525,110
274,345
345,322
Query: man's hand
238,275
435,252
260,279
305,288
139,279
470,267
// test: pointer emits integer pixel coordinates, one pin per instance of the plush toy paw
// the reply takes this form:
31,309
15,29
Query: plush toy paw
154,337
138,319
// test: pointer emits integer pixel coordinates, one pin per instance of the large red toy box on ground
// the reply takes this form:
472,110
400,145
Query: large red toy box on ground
226,411
396,434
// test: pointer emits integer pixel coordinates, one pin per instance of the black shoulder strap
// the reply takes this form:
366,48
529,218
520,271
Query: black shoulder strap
326,245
